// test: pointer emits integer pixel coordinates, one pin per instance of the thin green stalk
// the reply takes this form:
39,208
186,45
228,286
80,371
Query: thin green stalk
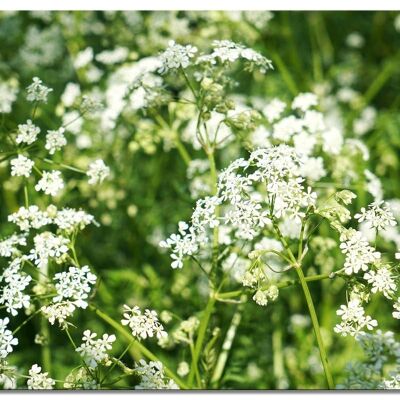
317,331
200,337
195,366
228,342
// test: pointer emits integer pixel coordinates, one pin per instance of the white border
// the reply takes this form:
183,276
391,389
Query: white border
93,395
200,5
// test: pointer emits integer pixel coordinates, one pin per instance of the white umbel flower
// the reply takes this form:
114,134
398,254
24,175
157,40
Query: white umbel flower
55,140
176,56
97,172
304,101
27,133
143,325
21,166
354,319
153,377
94,351
381,281
37,91
39,380
74,285
7,340
50,183
358,253
378,216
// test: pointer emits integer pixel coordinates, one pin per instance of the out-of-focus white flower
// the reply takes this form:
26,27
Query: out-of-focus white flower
55,140
97,172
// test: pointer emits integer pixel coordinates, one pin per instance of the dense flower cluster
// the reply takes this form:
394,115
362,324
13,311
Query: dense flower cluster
144,324
152,376
95,351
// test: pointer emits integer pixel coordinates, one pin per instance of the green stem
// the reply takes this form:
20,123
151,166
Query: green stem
317,331
227,345
200,337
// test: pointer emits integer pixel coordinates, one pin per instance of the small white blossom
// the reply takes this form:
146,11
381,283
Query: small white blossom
37,91
7,340
358,253
378,216
8,246
14,283
97,172
143,325
94,351
50,183
21,166
382,281
304,101
27,133
74,285
55,140
48,246
39,380
31,217
176,56
396,306
58,311
274,109
354,319
152,376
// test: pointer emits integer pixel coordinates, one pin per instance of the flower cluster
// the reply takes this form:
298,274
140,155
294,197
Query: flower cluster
144,324
39,380
246,212
152,376
95,351
21,166
378,216
358,253
7,340
354,319
37,91
74,285
176,56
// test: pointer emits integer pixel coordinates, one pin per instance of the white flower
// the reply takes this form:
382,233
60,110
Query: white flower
39,380
274,109
396,306
55,140
143,325
358,253
176,56
378,216
8,95
304,101
152,376
382,281
183,368
260,297
97,172
21,166
94,351
12,293
7,340
37,92
354,319
69,219
74,285
58,311
8,246
48,246
27,133
31,217
50,183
